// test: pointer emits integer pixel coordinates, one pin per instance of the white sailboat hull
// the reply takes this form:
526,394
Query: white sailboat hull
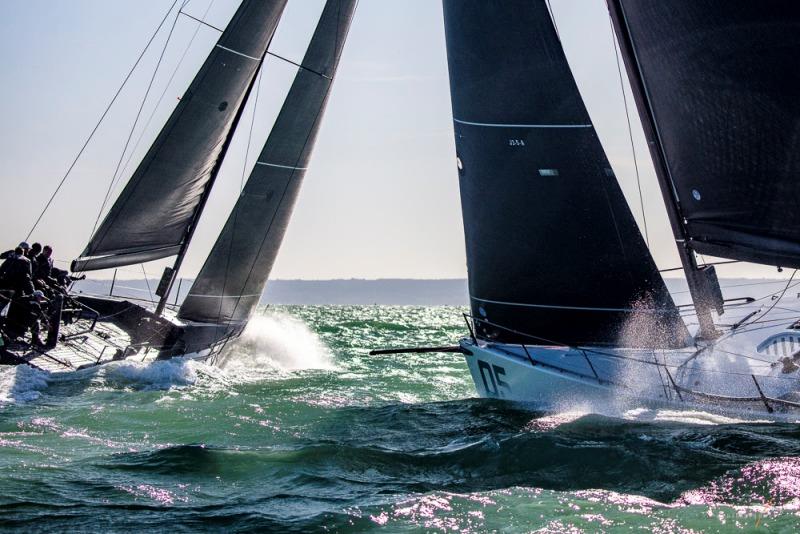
614,380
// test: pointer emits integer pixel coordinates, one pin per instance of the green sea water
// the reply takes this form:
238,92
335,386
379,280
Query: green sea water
299,429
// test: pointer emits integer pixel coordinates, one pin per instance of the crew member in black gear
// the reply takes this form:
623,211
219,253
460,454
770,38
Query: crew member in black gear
34,251
8,253
16,273
24,314
43,265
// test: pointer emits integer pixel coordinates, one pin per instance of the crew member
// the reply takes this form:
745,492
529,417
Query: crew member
24,314
43,265
8,253
16,273
34,251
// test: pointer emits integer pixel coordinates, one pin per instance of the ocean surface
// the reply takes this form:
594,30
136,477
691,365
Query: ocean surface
300,429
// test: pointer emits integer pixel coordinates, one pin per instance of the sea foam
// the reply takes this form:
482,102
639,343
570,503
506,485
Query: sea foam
276,342
166,374
21,383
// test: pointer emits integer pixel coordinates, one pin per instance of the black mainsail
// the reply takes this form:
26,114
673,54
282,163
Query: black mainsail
153,216
718,85
233,277
553,250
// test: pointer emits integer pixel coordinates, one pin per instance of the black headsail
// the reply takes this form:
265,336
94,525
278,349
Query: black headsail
153,215
553,250
718,87
230,283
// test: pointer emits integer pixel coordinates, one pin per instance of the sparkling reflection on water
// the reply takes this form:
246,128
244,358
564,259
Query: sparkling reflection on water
301,429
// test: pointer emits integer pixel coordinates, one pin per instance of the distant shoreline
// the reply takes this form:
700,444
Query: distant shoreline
386,291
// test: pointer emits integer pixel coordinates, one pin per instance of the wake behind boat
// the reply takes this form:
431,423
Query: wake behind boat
158,210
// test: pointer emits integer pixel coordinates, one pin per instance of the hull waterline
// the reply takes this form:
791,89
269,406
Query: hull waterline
613,381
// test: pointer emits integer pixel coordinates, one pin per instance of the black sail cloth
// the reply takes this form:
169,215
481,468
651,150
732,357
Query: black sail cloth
233,277
721,87
151,217
553,250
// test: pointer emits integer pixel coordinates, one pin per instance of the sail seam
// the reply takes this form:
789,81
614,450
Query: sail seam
281,166
238,53
551,306
493,125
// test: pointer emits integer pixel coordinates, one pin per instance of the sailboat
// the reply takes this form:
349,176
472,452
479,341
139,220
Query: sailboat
158,210
567,306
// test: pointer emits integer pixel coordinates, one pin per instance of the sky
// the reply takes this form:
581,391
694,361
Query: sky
380,199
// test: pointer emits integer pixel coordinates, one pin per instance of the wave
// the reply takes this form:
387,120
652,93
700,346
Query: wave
20,383
158,375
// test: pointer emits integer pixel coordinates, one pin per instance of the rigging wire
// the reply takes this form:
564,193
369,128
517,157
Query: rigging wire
250,133
704,264
235,212
234,215
775,292
280,201
135,121
630,131
99,122
146,281
763,315
272,54
163,93
200,20
765,283
317,117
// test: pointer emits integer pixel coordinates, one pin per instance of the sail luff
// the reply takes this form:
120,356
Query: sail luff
665,181
721,84
153,215
233,277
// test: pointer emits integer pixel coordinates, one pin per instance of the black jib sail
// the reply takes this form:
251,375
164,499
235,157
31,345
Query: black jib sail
553,251
718,85
156,209
230,283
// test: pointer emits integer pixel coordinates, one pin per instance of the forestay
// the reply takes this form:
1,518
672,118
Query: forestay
153,214
233,277
720,84
553,250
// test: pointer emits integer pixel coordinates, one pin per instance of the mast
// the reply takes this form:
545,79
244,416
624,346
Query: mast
698,283
228,288
171,275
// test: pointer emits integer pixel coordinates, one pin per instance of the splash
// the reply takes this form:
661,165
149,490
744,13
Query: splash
553,421
644,328
276,342
21,384
158,375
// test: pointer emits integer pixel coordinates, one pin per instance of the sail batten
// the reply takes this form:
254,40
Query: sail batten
242,257
153,215
554,255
